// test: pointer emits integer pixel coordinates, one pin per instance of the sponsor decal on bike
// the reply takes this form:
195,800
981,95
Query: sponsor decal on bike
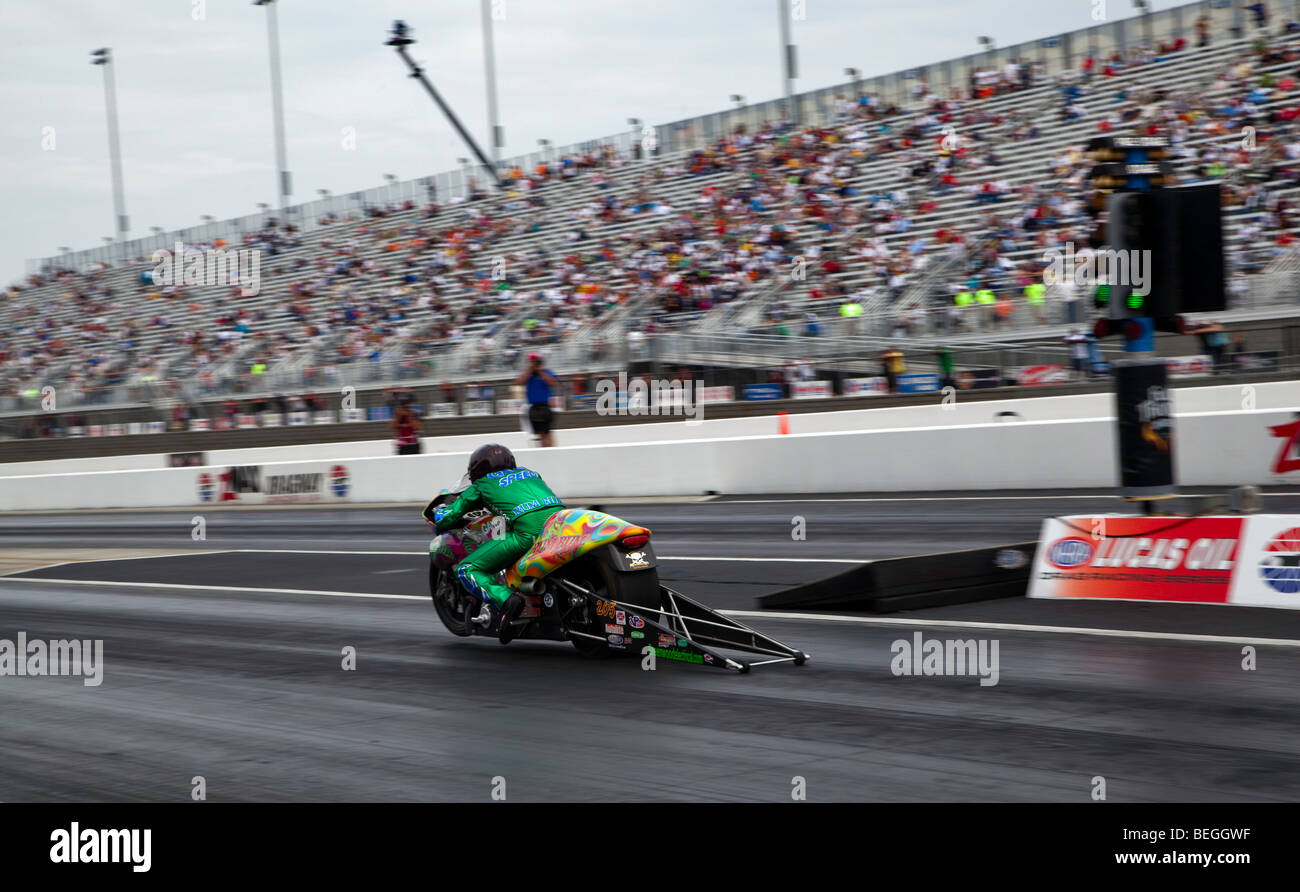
637,559
638,634
678,655
615,640
613,630
620,617
548,600
667,641
606,608
636,622
708,658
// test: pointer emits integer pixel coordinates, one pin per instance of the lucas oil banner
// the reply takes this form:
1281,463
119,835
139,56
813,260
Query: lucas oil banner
1246,560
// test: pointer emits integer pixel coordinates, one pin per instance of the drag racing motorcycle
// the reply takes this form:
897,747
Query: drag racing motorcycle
591,579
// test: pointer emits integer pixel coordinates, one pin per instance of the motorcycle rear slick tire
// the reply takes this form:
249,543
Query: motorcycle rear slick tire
640,587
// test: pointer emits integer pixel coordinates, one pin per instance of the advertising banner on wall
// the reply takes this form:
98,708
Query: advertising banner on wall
1032,375
865,386
1188,366
920,382
1144,419
1251,560
764,391
719,394
804,390
297,482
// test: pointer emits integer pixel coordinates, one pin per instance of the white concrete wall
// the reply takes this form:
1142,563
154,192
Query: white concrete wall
1212,449
959,411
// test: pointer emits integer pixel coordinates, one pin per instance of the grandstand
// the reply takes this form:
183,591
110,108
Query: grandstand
891,199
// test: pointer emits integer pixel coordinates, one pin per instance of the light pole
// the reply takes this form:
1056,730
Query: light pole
1144,7
496,134
284,184
104,57
635,124
392,182
853,76
788,60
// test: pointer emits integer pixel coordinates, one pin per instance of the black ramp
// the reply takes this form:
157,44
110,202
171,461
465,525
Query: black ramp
910,583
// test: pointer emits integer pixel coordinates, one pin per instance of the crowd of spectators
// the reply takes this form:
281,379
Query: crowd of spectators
400,285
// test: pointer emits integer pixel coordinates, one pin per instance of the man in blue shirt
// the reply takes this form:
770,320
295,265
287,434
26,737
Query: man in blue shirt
537,383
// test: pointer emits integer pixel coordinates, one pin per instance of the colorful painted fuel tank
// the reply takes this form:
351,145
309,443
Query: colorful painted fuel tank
569,534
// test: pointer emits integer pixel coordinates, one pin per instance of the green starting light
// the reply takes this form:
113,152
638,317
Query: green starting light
1135,300
1101,297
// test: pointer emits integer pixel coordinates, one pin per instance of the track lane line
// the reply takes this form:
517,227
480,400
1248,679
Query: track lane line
747,614
1015,627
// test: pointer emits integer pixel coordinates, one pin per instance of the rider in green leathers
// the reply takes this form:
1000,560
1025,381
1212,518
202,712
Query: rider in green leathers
525,501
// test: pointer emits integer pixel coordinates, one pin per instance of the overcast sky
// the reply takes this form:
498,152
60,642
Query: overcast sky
194,99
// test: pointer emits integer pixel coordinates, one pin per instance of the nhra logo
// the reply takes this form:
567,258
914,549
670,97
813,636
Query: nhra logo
339,481
207,487
1280,566
1069,553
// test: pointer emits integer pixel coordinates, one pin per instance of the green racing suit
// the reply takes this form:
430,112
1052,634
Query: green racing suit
524,500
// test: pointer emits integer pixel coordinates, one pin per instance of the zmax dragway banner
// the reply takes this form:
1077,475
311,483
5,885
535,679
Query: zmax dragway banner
298,482
1246,560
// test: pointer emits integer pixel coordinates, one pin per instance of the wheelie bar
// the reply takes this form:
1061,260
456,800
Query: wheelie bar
695,630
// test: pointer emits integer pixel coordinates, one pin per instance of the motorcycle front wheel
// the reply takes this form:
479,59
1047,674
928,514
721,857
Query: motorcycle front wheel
451,602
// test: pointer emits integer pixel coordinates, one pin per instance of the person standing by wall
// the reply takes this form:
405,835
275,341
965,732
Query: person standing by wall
406,426
538,383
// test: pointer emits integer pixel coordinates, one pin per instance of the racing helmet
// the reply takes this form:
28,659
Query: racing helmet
488,458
